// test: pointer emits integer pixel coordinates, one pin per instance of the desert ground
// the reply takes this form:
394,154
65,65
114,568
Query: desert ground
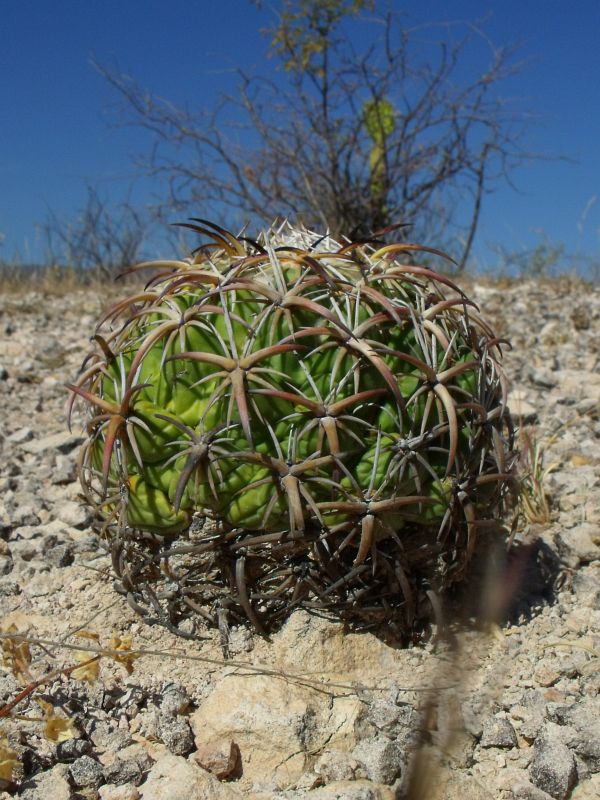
496,711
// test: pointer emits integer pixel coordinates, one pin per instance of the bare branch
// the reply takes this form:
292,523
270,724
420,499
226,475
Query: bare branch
298,144
99,238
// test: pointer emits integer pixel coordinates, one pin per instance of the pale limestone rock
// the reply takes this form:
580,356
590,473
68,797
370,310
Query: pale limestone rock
352,790
112,792
588,790
320,645
73,514
464,787
175,778
64,442
383,759
579,383
521,408
580,544
515,784
50,785
276,724
334,765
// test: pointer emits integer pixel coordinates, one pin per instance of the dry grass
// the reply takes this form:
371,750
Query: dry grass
535,501
49,280
60,280
57,281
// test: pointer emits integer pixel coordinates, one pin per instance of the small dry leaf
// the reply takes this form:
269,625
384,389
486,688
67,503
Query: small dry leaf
578,460
90,671
56,729
8,759
16,655
83,634
123,645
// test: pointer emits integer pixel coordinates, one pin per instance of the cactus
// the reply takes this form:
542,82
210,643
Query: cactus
292,422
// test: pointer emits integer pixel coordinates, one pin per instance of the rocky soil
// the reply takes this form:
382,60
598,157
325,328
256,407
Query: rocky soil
509,711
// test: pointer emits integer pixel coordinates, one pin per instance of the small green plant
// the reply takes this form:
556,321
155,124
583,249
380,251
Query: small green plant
336,411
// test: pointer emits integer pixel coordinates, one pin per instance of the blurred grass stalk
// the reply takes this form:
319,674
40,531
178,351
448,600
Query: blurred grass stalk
534,498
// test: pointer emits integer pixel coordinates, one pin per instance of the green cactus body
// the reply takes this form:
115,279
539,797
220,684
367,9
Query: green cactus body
329,408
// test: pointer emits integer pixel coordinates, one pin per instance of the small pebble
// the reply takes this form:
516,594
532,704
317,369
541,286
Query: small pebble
86,772
498,732
553,768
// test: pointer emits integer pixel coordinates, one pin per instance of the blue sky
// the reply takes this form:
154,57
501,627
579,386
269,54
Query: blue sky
55,133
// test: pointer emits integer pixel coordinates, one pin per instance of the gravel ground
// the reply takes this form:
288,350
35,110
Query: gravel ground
497,712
